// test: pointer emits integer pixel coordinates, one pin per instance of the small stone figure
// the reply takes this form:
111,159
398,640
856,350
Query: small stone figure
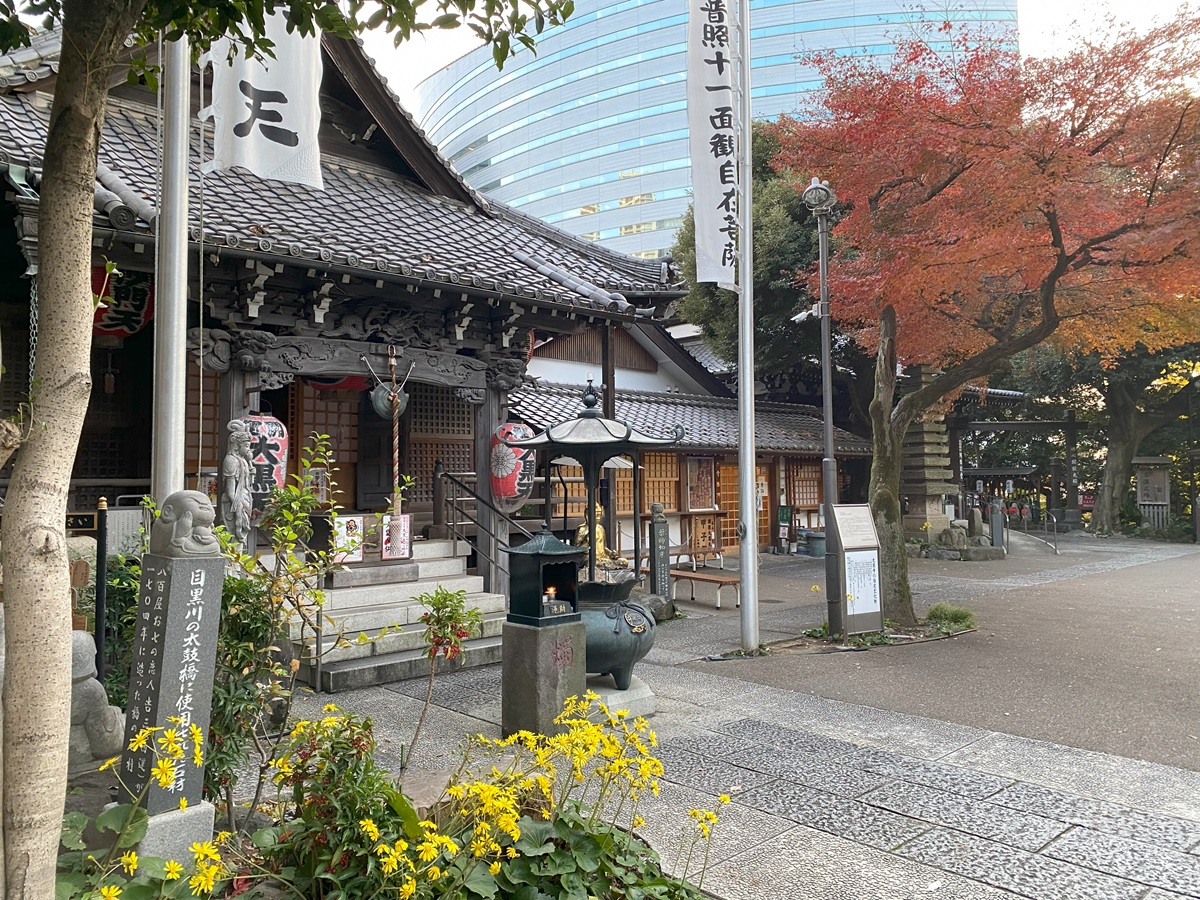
184,527
237,501
97,729
605,558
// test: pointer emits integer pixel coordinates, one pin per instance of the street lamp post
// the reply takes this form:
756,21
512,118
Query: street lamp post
819,198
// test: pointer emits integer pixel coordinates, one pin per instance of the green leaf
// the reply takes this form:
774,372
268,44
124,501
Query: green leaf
266,837
113,818
136,830
481,882
536,837
403,807
73,826
560,862
69,885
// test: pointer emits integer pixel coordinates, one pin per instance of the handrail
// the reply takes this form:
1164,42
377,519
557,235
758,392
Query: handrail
1054,530
451,513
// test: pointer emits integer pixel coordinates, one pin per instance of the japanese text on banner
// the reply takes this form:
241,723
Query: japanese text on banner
713,130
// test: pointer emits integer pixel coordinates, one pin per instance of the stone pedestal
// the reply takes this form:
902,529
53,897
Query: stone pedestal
638,699
660,550
926,479
542,667
169,835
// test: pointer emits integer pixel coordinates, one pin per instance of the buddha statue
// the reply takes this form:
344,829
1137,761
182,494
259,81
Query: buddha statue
605,558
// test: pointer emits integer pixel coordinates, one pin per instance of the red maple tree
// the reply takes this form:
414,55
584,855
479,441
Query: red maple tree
992,203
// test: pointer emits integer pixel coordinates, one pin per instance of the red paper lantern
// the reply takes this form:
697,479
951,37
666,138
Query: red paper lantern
512,468
268,457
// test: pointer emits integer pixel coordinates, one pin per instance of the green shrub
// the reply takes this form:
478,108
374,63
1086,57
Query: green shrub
950,618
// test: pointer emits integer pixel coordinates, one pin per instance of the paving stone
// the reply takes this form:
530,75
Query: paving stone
717,777
811,770
710,746
770,735
805,864
845,818
1100,815
1156,894
1026,874
1023,830
931,774
1157,866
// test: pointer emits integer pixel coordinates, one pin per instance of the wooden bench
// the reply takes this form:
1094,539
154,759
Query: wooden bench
720,579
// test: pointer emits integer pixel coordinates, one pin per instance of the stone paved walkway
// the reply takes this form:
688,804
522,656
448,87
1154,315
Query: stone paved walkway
836,800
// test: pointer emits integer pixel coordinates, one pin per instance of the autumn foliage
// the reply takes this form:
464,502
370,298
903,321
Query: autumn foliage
992,203
989,195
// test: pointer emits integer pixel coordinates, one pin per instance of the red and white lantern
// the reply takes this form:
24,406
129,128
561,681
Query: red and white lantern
512,468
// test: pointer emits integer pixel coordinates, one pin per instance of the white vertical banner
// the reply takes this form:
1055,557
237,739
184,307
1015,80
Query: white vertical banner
712,128
265,113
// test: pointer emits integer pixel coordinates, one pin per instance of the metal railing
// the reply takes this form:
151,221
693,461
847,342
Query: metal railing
1047,519
456,505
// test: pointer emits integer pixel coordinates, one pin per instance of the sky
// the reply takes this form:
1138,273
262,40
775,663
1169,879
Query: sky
1039,20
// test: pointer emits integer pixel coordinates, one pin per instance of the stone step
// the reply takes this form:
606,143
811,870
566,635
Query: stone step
362,575
441,567
436,548
372,617
342,600
383,642
350,674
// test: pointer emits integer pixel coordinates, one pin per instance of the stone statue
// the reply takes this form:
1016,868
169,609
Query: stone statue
97,729
184,527
237,501
658,513
605,558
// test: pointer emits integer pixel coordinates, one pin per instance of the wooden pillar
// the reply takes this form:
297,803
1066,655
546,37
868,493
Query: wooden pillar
233,403
493,529
609,406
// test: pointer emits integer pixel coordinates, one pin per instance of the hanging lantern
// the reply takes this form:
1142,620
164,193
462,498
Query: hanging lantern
127,302
268,457
512,468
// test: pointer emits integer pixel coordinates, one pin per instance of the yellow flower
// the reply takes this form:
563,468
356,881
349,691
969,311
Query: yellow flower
109,763
638,821
141,739
164,773
816,588
172,871
129,862
433,873
494,868
110,892
183,803
427,851
724,798
206,850
369,828
330,708
408,889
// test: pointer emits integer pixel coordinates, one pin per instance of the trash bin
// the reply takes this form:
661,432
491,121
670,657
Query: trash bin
816,544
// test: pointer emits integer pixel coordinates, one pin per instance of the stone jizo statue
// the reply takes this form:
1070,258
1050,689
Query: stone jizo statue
184,527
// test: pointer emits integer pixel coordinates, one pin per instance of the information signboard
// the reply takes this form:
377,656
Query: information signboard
858,549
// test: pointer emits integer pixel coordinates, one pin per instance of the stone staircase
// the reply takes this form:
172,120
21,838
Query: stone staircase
377,599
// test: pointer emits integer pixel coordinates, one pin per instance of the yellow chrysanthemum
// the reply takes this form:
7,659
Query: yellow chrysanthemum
183,801
369,828
433,873
427,851
724,798
407,889
109,763
494,868
205,850
129,862
172,871
164,773
141,739
110,892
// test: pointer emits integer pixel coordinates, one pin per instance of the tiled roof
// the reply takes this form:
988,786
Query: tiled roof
707,356
367,218
710,423
22,66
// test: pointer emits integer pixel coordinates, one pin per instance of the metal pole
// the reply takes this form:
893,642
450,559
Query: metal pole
169,435
101,582
819,198
747,444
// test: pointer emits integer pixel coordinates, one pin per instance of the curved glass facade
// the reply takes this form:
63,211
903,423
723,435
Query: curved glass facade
591,133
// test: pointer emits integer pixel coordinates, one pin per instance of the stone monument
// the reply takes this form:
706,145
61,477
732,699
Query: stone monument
660,552
237,501
174,652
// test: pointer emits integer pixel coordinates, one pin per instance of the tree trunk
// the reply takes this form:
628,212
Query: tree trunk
887,437
1128,427
37,680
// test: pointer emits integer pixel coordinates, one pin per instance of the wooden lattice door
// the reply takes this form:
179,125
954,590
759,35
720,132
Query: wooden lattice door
728,491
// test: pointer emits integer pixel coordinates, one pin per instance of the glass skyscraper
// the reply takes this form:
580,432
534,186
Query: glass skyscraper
590,134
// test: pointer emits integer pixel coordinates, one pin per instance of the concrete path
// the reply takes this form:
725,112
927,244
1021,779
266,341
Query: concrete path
866,799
